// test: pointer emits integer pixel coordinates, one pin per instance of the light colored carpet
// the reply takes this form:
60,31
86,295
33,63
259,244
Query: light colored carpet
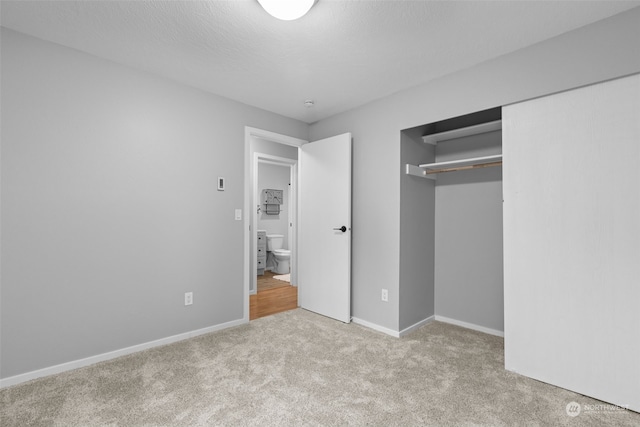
298,368
283,277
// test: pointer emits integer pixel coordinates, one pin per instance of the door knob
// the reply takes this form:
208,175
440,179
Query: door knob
343,229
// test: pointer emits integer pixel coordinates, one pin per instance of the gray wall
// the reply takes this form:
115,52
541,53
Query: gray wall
601,51
375,212
259,145
468,235
109,205
417,233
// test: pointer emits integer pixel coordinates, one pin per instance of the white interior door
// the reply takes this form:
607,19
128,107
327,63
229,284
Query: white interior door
324,241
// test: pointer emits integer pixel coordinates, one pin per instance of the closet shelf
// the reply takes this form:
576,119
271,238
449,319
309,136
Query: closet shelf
427,169
433,139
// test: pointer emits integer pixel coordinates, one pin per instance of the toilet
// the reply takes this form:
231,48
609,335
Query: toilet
281,256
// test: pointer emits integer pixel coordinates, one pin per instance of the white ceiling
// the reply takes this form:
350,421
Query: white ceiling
343,54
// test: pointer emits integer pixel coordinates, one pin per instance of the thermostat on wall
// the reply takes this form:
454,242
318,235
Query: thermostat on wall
221,183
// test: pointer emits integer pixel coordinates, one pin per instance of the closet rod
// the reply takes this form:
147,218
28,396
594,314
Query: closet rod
427,170
417,171
462,168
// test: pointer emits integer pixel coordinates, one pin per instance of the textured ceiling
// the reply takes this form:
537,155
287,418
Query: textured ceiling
342,54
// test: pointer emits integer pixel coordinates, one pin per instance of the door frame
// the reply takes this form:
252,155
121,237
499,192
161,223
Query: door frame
292,208
249,134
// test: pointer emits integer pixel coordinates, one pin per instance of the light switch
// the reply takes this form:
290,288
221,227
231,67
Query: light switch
238,214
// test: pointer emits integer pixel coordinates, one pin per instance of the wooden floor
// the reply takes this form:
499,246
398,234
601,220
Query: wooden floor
274,296
267,281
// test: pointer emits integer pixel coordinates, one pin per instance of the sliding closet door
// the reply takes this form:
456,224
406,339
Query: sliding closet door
572,240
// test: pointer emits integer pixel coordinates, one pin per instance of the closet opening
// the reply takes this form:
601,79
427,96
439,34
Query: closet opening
461,204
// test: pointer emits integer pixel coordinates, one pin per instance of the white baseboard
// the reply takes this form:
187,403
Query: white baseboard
412,328
375,327
391,332
475,327
63,367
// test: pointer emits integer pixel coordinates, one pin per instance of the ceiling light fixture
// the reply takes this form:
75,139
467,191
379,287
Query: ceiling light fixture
287,10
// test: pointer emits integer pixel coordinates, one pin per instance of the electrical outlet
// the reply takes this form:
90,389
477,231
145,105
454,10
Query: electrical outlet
188,298
385,295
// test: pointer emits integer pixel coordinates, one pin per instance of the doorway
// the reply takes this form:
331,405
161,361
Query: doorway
276,156
273,287
274,174
323,212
